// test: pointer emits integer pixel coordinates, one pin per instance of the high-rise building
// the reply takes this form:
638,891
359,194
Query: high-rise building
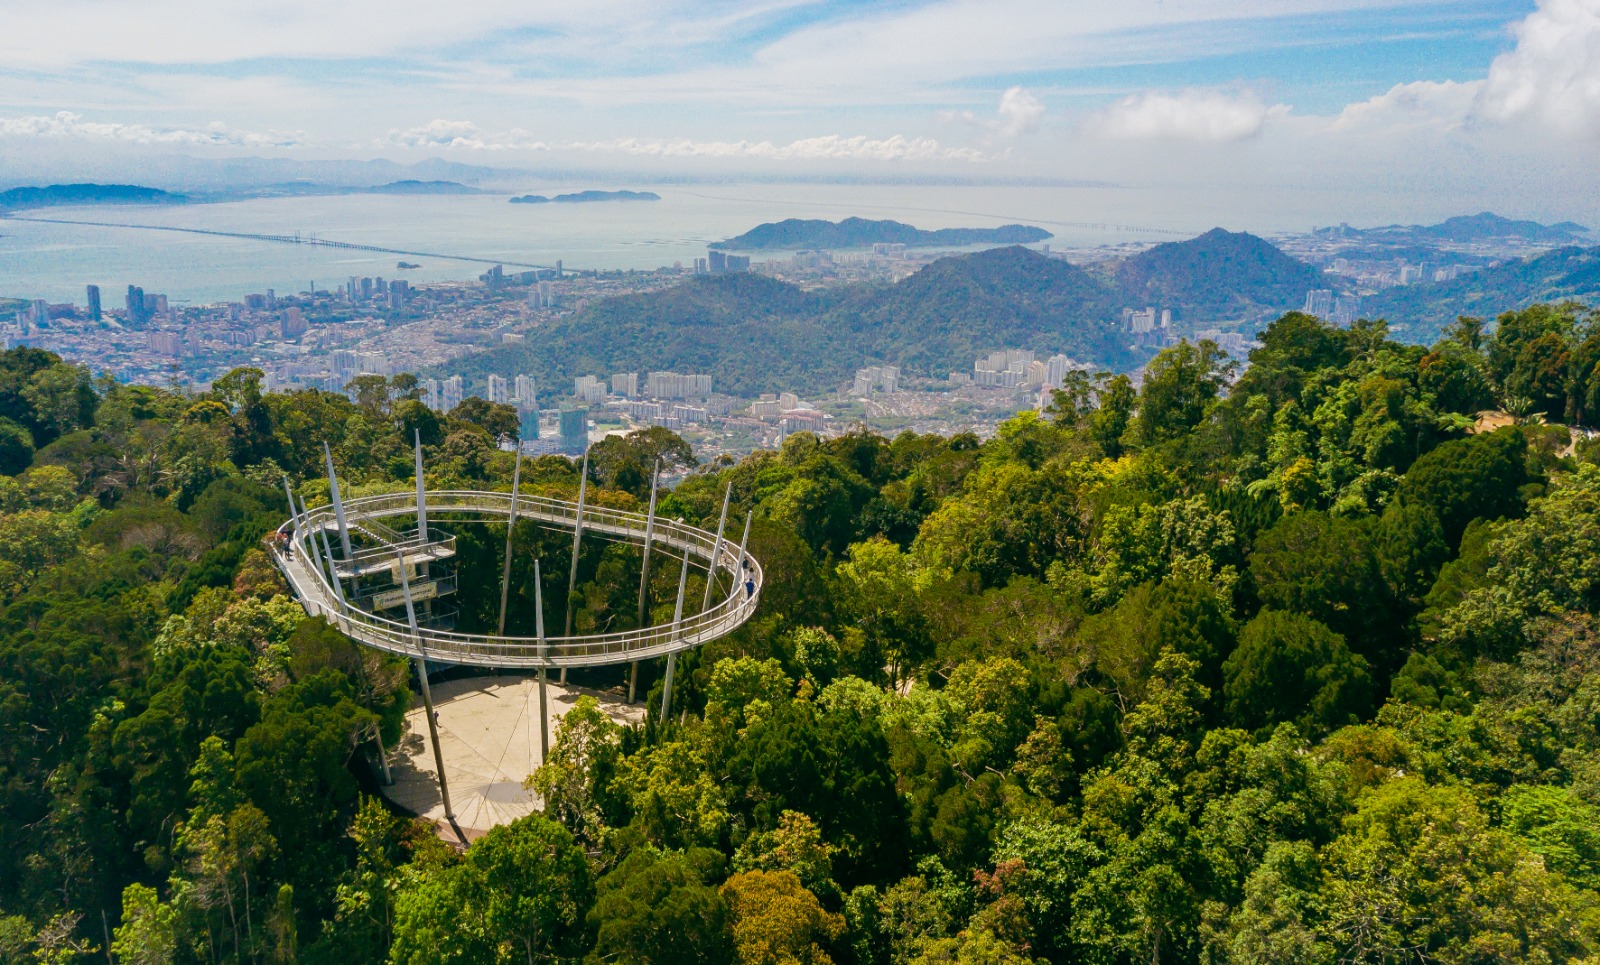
574,429
41,313
293,323
625,384
588,389
453,392
884,378
1346,310
1319,302
672,385
498,390
93,293
138,315
527,395
430,394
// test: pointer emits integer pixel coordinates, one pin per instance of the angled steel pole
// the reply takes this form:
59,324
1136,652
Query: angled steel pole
316,555
294,514
338,504
577,547
716,551
511,528
316,560
544,652
644,573
421,660
677,620
422,504
649,536
333,575
743,542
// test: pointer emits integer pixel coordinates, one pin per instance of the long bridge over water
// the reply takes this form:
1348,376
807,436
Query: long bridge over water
294,239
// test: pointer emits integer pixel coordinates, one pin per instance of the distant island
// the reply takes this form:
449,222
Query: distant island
586,197
57,195
421,187
1484,226
798,233
404,265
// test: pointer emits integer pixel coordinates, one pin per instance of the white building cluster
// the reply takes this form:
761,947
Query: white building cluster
1017,369
876,378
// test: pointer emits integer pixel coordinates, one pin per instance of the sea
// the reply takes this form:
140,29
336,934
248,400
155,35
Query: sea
56,261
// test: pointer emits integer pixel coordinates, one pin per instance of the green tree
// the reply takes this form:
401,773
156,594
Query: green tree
1180,385
657,908
1289,667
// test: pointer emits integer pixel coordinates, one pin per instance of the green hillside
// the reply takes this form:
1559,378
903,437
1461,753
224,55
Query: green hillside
1421,312
1220,275
754,334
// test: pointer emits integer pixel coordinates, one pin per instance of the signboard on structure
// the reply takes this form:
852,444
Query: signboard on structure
395,598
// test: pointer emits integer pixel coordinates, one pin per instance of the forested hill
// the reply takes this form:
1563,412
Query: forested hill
1421,312
753,334
948,313
1218,275
797,233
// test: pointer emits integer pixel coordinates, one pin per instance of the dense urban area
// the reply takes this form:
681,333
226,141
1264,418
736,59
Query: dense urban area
326,337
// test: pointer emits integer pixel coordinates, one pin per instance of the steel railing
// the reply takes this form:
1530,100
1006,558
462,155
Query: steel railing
317,594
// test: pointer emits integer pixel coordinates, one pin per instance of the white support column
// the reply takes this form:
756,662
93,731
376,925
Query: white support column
333,576
649,537
677,622
644,572
338,591
577,547
544,654
421,661
716,550
743,542
422,503
338,504
511,528
294,514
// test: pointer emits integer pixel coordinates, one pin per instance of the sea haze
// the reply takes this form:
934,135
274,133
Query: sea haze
54,261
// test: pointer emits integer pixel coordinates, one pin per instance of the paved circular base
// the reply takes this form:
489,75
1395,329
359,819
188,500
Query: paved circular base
489,735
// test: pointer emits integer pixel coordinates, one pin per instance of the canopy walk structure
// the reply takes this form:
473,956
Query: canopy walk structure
363,597
382,569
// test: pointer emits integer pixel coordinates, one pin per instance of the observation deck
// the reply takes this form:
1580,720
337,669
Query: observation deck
319,587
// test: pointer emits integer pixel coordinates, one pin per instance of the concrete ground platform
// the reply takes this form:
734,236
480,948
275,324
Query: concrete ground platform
489,736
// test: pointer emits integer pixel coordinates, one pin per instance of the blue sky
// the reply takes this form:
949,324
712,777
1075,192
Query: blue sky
1474,91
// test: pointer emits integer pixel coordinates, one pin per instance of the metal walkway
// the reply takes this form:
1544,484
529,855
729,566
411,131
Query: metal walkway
311,586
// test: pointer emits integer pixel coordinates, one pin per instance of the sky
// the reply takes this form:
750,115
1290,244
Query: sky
1475,104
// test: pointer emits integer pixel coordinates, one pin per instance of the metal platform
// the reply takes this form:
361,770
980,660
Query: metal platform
305,569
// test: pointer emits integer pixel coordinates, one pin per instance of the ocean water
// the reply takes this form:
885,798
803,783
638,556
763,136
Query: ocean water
55,262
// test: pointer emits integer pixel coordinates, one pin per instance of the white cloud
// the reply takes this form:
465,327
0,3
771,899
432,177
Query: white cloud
68,124
1553,74
1188,115
832,147
1019,111
1423,103
465,135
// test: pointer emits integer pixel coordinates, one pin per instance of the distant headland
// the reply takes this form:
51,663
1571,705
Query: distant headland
57,195
585,197
797,233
